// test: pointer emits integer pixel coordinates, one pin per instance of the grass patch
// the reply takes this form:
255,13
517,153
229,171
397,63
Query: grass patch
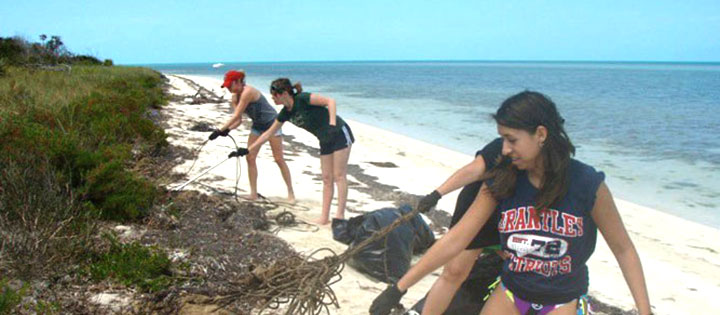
88,125
68,141
43,228
9,298
132,264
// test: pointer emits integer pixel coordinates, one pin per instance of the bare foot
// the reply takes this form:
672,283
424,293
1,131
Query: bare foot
250,197
321,221
291,199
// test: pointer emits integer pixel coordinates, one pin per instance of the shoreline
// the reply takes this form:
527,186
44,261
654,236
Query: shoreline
658,177
688,263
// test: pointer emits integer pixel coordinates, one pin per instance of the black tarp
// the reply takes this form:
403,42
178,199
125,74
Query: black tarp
388,259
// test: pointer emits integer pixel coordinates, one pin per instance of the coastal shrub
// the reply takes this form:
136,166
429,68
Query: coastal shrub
108,63
117,193
91,128
68,141
12,50
43,229
85,60
132,264
9,298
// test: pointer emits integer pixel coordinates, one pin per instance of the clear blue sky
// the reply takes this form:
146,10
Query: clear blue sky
162,31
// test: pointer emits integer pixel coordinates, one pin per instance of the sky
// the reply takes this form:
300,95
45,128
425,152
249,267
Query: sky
163,31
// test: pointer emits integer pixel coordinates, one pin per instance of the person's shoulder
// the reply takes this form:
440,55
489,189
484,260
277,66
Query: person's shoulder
303,98
490,153
577,166
251,92
584,175
492,147
283,115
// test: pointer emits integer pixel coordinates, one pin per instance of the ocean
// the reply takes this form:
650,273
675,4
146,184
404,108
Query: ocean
651,127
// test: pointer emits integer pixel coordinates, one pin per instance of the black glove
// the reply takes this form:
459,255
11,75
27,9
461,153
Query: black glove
429,201
238,152
386,301
217,132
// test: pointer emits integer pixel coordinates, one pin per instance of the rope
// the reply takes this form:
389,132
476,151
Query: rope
302,284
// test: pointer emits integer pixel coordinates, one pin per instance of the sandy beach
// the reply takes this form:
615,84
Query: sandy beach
680,258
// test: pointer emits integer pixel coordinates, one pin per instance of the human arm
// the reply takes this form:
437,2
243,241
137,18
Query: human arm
455,241
465,175
474,171
240,104
469,173
265,136
440,253
607,218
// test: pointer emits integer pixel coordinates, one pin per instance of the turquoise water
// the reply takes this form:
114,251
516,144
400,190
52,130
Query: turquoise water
652,127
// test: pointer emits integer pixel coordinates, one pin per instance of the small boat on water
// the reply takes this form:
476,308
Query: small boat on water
218,65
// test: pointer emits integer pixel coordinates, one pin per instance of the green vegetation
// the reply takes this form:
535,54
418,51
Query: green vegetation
68,143
84,126
49,51
133,264
9,298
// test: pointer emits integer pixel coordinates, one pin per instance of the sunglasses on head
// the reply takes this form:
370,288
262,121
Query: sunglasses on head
275,89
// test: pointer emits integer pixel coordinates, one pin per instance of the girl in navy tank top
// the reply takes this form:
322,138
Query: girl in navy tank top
550,208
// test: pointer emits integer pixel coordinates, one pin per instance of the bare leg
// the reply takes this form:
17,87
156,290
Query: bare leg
340,161
499,304
326,164
277,149
567,309
252,167
327,176
445,287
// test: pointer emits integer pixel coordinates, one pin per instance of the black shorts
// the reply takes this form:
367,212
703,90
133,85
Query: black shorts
488,235
341,141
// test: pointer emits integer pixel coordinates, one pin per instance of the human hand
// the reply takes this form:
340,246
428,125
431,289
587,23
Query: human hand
386,301
238,152
429,201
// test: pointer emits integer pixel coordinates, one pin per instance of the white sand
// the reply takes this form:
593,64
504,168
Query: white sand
680,258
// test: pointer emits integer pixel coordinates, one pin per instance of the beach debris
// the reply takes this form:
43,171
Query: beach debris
202,126
285,218
256,219
384,164
203,95
180,187
302,285
115,302
128,233
199,304
388,259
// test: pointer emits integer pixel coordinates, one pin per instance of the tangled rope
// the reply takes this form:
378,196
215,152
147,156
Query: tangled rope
303,284
285,218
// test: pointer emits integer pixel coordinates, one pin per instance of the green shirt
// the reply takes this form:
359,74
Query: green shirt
315,119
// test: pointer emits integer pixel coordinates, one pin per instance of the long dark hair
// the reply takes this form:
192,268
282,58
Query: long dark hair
527,111
284,85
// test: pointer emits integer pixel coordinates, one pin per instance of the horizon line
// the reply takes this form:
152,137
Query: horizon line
439,60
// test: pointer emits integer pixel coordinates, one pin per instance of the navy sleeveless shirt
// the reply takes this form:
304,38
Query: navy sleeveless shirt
548,252
260,111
